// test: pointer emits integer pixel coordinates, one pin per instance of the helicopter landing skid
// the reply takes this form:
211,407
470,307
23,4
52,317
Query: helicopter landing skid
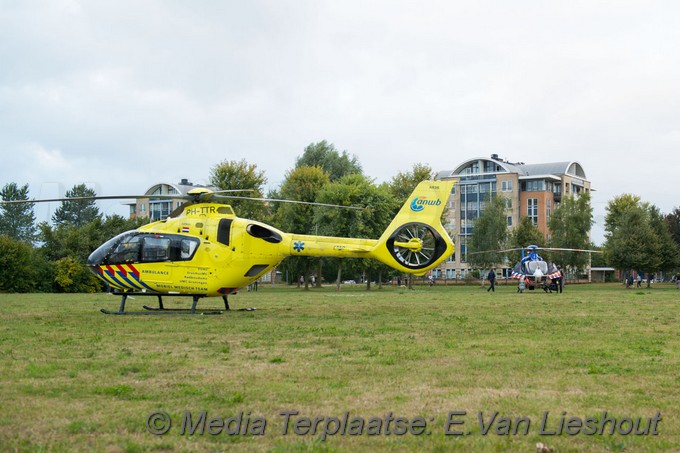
161,313
161,310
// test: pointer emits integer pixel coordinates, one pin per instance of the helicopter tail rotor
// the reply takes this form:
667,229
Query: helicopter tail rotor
416,241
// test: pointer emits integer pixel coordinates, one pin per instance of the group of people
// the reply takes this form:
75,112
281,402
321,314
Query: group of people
634,281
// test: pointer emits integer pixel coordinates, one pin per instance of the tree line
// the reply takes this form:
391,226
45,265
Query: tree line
638,237
51,256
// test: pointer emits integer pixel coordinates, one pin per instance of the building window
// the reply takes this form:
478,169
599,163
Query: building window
159,210
533,186
506,186
532,210
547,210
490,167
473,168
509,220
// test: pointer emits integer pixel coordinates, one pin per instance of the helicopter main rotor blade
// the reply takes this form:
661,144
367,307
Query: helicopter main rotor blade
234,190
495,251
102,197
195,198
124,197
279,200
553,249
560,249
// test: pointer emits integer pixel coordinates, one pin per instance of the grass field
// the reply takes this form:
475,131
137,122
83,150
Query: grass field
73,379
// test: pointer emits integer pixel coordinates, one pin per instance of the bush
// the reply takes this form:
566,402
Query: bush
72,276
17,272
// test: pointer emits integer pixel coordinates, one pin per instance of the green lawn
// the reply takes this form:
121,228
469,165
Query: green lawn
73,379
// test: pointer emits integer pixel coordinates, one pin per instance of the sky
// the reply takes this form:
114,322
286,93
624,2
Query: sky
124,94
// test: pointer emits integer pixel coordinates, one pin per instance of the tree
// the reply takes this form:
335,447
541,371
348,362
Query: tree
17,220
673,222
77,212
489,235
631,242
301,184
324,155
570,226
18,273
240,175
525,234
356,190
598,259
403,183
617,207
669,251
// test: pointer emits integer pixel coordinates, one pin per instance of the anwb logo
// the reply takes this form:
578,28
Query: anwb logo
418,204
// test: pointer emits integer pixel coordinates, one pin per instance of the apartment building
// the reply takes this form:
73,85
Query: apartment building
159,207
531,190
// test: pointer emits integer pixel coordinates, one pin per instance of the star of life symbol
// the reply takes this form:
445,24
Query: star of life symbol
298,246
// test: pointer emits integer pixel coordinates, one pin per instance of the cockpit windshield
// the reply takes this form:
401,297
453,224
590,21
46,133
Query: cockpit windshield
135,247
97,257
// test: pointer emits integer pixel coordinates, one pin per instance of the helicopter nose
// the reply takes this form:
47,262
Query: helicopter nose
93,260
96,258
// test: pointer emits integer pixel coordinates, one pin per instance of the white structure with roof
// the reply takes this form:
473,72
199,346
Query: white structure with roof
160,208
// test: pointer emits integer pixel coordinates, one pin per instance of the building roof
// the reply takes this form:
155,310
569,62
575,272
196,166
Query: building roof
554,168
571,168
181,187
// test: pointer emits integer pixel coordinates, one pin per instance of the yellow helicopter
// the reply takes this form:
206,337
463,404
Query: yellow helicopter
203,249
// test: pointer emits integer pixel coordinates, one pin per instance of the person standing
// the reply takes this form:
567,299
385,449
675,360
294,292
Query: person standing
492,281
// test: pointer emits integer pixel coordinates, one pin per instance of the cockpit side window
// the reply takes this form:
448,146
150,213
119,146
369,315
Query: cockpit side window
187,248
156,248
169,248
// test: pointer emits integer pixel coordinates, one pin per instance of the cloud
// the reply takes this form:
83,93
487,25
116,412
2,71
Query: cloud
128,94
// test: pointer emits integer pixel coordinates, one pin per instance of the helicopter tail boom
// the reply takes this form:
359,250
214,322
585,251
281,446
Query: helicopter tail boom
414,242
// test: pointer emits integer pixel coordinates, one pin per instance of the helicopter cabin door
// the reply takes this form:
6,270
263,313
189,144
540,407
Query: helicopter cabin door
156,261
